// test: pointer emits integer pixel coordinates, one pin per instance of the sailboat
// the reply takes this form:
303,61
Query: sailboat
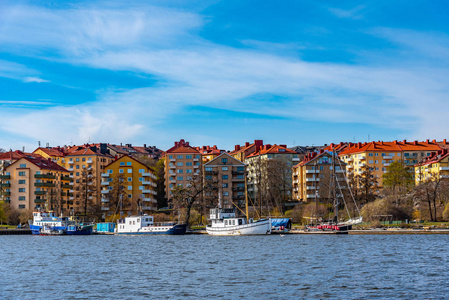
225,222
334,225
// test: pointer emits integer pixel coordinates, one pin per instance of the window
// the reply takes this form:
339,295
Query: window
77,166
180,178
77,159
321,168
224,160
370,161
21,206
224,177
376,161
224,168
21,190
189,164
122,163
384,154
130,179
21,173
208,177
225,185
170,156
21,198
179,156
22,181
128,163
110,171
240,168
188,156
225,193
130,170
189,171
208,169
370,154
120,171
84,159
180,164
130,187
180,171
23,165
141,171
376,154
129,197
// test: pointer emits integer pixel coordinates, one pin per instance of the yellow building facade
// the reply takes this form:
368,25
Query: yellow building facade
435,167
137,180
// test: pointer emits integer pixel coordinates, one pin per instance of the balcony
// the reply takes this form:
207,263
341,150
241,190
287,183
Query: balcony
104,175
39,200
44,184
312,179
45,176
66,186
238,178
172,159
362,157
444,176
312,187
5,176
70,169
212,172
147,199
147,208
66,178
339,171
238,172
312,171
89,168
362,165
146,182
71,162
104,191
196,159
350,159
195,167
386,164
104,200
5,184
238,197
39,193
105,183
7,193
89,161
295,159
147,174
444,168
238,188
309,196
350,166
387,157
147,191
104,208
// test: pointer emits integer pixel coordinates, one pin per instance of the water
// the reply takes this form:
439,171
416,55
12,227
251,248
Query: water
201,266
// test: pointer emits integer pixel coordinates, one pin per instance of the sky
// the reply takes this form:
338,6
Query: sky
222,72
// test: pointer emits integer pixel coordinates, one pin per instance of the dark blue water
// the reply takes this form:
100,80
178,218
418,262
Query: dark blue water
201,266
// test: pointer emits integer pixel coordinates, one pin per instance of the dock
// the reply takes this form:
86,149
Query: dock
14,231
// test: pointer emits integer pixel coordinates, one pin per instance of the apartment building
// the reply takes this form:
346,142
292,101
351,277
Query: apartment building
208,153
320,176
183,165
36,183
259,168
434,167
242,152
377,156
229,175
85,164
135,178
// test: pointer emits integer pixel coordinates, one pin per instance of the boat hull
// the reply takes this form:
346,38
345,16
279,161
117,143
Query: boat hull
178,229
36,229
80,230
261,227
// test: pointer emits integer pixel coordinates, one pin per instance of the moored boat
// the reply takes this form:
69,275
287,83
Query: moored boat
225,222
145,224
47,219
48,230
79,229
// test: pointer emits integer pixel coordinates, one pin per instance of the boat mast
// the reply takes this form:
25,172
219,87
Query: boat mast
246,201
334,186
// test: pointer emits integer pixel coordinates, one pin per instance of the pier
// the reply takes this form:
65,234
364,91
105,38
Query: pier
14,231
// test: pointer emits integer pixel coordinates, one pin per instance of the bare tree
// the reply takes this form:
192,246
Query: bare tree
185,197
432,192
86,190
117,196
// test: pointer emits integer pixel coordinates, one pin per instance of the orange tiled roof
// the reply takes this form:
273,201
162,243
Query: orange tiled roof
395,146
52,151
185,149
15,155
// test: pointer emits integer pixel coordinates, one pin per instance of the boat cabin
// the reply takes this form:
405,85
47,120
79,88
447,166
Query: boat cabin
225,217
134,223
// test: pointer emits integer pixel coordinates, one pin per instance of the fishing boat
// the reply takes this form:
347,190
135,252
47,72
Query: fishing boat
145,224
43,219
225,222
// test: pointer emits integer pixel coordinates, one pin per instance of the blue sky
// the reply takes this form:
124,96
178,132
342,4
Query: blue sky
222,72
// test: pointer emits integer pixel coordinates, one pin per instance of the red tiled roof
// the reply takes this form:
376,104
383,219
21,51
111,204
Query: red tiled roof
15,155
43,164
275,149
184,149
435,157
52,151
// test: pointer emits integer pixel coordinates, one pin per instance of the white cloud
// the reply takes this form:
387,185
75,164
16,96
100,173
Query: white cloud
162,42
35,79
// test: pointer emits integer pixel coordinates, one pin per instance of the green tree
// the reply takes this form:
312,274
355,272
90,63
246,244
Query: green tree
397,178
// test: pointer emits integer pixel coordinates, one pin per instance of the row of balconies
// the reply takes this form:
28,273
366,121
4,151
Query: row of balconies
45,176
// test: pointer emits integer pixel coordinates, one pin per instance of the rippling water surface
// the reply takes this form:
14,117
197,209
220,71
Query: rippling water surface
201,266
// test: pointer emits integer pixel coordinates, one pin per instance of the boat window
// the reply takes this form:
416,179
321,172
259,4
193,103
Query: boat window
138,220
240,221
130,223
226,222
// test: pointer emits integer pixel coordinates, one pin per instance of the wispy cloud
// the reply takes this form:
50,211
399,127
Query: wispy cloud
354,13
165,43
35,79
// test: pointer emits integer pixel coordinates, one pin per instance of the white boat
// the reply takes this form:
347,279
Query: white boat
144,225
225,222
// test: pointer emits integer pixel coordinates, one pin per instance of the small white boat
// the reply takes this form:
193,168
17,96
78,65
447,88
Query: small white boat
225,222
144,225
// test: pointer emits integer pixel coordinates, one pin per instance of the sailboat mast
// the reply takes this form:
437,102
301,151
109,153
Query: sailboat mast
246,201
334,186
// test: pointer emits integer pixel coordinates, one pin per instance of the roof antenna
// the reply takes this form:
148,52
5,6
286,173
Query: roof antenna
369,139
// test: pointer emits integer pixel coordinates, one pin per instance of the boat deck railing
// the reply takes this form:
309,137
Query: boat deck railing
258,223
